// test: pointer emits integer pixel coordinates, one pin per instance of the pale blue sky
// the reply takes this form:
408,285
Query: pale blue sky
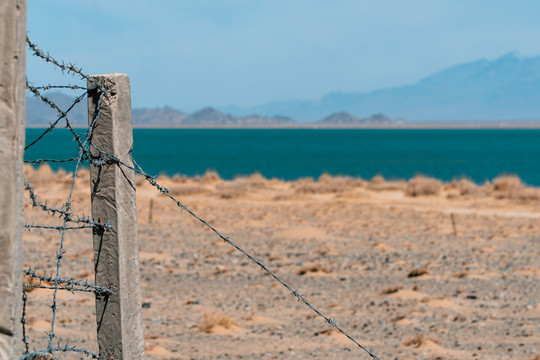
189,54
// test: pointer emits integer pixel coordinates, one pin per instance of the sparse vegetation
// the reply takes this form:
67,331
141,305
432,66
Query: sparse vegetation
421,185
212,321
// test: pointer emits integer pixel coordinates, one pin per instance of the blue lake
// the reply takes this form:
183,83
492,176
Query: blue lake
293,153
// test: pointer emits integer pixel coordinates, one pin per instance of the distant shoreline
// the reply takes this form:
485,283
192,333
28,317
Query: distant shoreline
442,125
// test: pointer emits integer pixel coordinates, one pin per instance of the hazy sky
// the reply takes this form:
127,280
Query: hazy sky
189,54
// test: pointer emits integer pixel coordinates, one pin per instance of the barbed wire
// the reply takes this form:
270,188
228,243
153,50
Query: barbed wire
54,282
69,282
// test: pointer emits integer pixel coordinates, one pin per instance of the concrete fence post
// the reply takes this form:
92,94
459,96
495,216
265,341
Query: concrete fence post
116,251
12,119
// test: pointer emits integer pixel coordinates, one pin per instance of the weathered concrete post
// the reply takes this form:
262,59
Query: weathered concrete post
116,251
12,119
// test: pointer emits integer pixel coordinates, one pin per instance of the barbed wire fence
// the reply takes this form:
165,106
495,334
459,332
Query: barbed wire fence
71,221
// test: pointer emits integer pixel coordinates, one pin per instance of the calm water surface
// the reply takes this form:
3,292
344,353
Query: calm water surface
293,153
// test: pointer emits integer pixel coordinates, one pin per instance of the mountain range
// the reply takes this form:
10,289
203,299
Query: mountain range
506,88
39,114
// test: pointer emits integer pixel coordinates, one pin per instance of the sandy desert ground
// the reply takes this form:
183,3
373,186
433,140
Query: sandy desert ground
417,270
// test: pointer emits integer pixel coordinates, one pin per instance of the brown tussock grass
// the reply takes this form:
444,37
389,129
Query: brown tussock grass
417,272
419,341
391,290
511,187
461,274
467,187
231,190
209,177
326,184
212,321
312,269
421,185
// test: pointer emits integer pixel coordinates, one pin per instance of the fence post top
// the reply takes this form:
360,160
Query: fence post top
109,75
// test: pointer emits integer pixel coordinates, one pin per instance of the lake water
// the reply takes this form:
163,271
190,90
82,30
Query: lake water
293,153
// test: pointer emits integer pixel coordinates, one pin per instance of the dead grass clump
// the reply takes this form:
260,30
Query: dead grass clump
184,190
511,187
417,272
421,185
461,274
527,195
231,189
377,180
210,177
506,183
508,187
326,184
391,290
312,269
419,341
467,187
325,178
256,181
212,321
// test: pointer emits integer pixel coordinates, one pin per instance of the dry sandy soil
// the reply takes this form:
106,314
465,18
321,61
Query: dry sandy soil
382,259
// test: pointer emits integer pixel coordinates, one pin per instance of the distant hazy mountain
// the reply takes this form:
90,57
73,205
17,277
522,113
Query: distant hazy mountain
344,118
40,114
507,88
159,116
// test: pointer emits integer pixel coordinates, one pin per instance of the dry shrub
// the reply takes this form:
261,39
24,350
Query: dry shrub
183,190
461,274
511,187
359,182
417,272
324,178
312,269
527,195
377,180
421,185
211,321
232,189
391,290
467,187
256,181
210,177
326,184
418,340
506,183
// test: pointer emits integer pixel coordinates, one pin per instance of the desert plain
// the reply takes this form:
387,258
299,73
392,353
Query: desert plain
412,269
